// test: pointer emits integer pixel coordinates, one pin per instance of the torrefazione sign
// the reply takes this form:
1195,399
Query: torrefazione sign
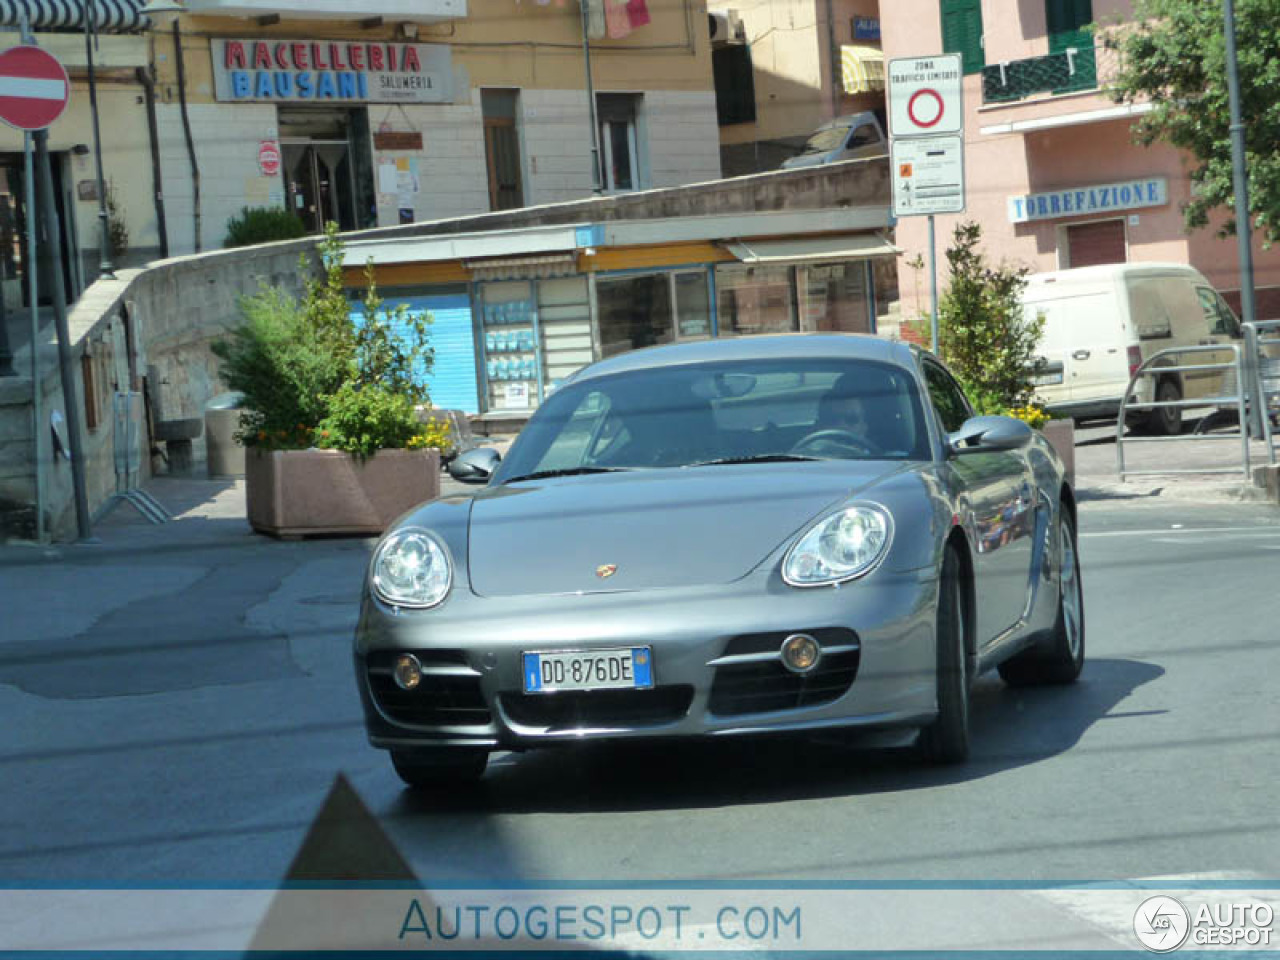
1105,198
310,71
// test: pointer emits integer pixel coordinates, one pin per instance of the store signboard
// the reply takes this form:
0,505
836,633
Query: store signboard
313,71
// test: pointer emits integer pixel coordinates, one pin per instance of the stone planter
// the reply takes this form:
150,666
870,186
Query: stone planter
298,493
1061,435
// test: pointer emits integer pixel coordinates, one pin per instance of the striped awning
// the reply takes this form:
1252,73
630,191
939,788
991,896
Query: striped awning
523,268
109,16
861,69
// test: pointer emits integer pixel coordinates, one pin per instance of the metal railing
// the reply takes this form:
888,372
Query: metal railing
1068,71
1262,372
1150,368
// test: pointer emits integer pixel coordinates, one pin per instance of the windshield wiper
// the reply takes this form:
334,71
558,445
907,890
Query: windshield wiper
757,458
569,472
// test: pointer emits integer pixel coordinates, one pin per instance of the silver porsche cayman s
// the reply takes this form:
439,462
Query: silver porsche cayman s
731,537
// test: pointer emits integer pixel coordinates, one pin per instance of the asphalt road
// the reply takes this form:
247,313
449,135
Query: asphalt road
177,702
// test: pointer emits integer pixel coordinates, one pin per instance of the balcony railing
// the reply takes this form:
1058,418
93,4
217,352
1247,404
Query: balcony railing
1068,71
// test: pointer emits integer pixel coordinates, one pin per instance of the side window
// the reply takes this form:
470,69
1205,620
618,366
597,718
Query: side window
1221,321
863,136
947,398
589,429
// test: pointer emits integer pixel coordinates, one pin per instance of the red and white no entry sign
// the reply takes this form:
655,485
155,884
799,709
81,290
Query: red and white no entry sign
33,88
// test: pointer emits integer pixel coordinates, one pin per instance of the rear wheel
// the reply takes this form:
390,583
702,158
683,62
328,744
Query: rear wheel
439,766
1166,421
1060,658
946,740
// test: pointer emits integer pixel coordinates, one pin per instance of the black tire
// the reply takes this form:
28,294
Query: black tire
439,766
1166,421
946,740
1059,658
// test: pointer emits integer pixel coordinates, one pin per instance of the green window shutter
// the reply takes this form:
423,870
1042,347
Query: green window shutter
962,32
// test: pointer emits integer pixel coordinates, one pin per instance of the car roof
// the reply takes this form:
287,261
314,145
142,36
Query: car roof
801,346
1108,270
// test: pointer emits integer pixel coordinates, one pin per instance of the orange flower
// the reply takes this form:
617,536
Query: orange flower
324,433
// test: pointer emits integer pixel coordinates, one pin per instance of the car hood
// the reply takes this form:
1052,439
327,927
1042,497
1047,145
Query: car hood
657,528
806,160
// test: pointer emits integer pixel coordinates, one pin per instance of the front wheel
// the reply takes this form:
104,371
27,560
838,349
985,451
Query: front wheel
1166,421
946,740
439,766
1060,658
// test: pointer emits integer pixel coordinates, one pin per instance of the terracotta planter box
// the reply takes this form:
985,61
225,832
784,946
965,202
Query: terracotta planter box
297,493
1061,434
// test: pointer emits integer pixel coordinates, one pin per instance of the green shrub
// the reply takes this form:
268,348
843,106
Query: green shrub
263,225
312,377
983,332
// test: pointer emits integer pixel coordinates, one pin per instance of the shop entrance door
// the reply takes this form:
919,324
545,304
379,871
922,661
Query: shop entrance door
320,150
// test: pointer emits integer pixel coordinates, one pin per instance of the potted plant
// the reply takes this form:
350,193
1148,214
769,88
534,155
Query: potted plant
333,440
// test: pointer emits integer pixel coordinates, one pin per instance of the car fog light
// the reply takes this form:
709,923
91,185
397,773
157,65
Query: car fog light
800,652
408,671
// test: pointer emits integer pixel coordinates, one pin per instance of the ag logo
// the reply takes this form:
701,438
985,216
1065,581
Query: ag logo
1161,924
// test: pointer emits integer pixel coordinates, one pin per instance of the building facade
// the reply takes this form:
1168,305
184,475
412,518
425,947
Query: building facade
785,67
375,114
399,112
1051,171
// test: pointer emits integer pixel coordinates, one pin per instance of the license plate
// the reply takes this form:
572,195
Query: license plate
1046,379
625,668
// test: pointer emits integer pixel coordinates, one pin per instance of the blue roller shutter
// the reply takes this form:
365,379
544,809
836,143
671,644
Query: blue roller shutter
452,381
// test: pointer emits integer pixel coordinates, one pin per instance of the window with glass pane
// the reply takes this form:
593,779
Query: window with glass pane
693,305
884,277
633,312
835,298
619,149
755,299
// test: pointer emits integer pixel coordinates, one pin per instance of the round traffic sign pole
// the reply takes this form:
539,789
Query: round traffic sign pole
34,88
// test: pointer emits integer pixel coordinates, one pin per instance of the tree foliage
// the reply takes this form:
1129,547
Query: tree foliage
1173,55
983,332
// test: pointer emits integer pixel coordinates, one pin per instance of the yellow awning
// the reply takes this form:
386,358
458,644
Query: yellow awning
861,68
813,249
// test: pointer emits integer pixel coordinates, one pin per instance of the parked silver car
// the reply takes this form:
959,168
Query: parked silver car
853,137
724,538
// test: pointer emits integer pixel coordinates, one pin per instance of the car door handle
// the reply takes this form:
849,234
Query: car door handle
1080,355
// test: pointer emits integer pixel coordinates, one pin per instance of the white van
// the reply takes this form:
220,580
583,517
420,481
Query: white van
1102,322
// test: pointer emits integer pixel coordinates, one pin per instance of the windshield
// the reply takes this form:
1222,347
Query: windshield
826,139
708,413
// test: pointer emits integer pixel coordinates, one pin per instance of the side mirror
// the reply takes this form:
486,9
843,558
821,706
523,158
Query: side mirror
475,466
989,434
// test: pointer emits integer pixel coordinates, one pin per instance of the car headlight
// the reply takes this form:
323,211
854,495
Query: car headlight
411,569
843,546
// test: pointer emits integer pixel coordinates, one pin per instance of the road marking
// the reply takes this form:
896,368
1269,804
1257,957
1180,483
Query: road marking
1182,532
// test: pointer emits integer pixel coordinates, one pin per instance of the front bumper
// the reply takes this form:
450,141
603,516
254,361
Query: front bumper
715,658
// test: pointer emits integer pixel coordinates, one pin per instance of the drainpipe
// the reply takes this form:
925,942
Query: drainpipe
833,52
186,129
149,88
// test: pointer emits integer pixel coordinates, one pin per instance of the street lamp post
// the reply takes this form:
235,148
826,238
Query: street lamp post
105,267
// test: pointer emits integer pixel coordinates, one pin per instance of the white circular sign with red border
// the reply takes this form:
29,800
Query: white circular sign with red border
34,89
925,95
269,158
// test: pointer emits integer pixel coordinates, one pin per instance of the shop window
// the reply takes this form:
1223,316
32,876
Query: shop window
634,312
693,305
835,298
619,141
755,299
502,148
886,297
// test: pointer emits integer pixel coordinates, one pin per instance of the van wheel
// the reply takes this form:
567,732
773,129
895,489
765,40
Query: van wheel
1166,421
